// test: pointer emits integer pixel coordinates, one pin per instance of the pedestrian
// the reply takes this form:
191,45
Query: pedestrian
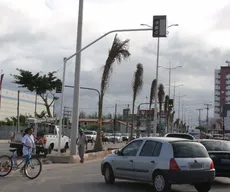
28,146
82,144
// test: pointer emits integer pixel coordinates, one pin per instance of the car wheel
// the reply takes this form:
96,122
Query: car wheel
108,174
160,183
203,187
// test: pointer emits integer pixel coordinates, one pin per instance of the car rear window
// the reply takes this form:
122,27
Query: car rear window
183,136
216,145
189,150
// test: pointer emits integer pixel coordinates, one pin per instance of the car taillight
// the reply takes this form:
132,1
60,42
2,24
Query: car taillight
212,165
45,140
173,165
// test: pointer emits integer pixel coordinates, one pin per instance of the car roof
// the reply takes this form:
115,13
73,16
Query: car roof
213,140
163,139
178,134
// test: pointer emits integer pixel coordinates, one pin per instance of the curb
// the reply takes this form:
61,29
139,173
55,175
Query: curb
3,141
65,159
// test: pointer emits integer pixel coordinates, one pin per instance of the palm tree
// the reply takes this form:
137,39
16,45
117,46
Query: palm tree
151,98
118,52
161,95
137,86
167,110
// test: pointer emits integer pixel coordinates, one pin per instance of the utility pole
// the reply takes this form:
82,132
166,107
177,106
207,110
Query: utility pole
207,108
115,121
127,120
199,118
18,116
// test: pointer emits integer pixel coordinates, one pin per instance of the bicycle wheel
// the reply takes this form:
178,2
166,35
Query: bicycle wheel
33,164
6,165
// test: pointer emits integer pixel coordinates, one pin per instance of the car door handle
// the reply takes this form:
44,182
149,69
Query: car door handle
131,161
152,161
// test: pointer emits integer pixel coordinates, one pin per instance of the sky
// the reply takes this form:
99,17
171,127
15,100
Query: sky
35,35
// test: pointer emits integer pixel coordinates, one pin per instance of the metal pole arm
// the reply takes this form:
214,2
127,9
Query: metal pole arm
101,37
87,88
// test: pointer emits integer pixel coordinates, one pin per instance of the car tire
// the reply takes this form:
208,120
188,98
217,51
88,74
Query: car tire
203,187
108,174
160,182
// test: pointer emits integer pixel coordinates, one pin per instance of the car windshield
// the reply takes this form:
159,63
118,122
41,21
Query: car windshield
183,136
189,150
216,145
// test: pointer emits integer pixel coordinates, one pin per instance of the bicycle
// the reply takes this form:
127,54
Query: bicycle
11,164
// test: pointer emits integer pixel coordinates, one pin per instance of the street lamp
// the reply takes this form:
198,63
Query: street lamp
157,66
170,70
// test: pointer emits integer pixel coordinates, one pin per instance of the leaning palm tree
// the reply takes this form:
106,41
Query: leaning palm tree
137,86
151,98
166,111
118,52
161,95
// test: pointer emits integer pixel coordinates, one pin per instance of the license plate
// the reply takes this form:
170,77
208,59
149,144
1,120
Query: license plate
195,165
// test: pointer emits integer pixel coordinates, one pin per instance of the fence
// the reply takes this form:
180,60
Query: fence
6,131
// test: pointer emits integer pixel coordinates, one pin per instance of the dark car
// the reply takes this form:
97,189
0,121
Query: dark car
181,135
219,151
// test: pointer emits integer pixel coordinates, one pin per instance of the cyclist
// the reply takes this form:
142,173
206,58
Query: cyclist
28,146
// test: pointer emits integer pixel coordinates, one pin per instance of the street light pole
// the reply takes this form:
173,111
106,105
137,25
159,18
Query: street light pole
78,78
76,95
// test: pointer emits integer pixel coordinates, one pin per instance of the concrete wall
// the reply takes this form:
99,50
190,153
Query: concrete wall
5,131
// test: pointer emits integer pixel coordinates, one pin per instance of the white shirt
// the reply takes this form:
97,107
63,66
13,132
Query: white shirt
28,140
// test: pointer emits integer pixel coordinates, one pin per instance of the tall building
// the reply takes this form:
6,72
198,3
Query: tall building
222,89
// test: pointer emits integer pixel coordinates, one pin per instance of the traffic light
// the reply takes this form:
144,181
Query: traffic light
159,26
59,89
171,103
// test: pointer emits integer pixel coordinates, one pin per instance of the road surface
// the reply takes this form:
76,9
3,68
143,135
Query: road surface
85,178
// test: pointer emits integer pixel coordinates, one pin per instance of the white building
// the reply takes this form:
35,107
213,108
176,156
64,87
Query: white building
9,100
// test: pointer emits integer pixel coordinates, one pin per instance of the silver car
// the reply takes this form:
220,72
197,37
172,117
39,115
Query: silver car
162,161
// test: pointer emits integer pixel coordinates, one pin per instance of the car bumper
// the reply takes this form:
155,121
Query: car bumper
190,177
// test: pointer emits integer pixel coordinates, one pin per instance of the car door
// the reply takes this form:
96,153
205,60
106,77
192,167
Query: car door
123,163
147,160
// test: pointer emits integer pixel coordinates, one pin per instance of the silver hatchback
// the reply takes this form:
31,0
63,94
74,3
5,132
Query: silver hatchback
162,161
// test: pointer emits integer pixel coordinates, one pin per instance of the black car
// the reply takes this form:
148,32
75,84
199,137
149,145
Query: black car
219,151
181,135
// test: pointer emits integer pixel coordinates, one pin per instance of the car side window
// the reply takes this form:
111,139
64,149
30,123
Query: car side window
132,148
150,149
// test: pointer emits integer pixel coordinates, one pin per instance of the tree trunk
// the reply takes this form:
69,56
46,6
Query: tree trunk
131,135
98,143
48,109
148,122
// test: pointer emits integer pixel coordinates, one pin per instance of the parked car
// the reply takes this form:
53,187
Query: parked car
125,137
162,161
181,135
117,138
219,151
90,135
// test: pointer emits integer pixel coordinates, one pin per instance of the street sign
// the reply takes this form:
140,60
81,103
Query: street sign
159,26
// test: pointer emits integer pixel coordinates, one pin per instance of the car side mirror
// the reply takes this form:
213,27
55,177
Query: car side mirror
118,152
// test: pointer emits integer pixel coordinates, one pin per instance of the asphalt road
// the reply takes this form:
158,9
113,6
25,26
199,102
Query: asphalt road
4,147
85,178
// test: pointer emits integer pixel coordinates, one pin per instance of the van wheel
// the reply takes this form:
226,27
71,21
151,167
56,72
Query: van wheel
160,182
50,149
108,174
203,187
